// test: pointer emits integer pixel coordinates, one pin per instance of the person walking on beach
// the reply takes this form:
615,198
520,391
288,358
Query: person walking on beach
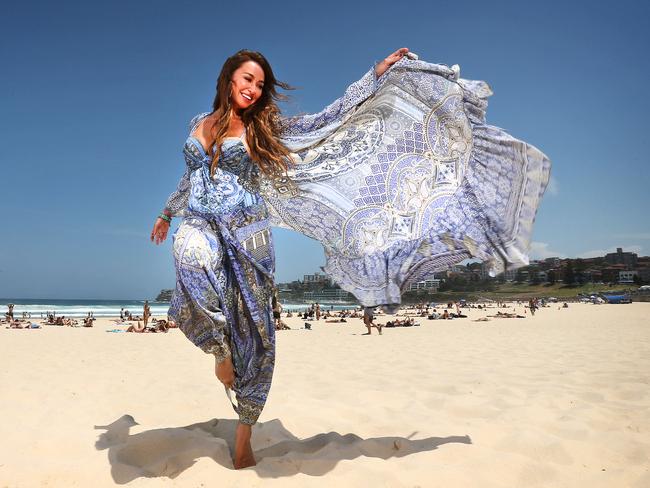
146,312
347,176
277,311
368,317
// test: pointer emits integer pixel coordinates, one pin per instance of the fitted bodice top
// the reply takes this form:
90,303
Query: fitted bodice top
232,192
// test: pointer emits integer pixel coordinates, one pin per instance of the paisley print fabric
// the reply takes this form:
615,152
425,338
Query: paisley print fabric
224,261
409,182
399,178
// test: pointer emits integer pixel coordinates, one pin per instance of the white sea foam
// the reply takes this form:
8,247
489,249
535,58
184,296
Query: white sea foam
99,309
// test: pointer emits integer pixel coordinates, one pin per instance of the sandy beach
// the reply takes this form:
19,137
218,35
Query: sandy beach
560,399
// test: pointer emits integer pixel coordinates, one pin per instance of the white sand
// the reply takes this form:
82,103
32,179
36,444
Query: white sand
558,400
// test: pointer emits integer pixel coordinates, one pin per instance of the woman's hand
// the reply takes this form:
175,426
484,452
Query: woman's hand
159,232
381,67
225,372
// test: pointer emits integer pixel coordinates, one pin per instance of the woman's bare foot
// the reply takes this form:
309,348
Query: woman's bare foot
225,371
244,457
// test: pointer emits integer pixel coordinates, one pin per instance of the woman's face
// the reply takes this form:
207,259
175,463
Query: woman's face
246,85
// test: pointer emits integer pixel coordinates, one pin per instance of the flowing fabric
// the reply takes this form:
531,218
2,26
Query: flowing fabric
399,178
409,183
224,270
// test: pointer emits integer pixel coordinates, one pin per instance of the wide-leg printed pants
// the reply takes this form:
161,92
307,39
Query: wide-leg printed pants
222,303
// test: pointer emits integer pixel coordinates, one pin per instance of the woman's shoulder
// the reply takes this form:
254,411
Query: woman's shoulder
196,119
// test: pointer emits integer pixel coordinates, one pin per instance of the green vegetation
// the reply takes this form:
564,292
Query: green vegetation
516,291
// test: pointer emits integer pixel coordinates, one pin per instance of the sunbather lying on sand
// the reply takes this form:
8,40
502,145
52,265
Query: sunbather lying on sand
401,323
507,315
137,328
22,324
160,326
282,326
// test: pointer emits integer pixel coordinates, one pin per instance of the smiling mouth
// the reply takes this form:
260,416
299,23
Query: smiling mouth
247,97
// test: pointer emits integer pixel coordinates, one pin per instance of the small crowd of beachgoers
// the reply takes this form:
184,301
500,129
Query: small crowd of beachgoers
142,321
46,318
407,316
372,317
141,325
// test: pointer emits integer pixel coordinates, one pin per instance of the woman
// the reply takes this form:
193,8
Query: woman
223,250
146,313
399,178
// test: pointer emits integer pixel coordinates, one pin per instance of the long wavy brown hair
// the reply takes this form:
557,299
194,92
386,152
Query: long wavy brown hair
261,120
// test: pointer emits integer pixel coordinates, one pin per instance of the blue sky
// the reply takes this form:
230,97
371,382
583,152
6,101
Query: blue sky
96,97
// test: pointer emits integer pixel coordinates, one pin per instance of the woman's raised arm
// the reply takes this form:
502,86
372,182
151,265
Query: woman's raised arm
355,94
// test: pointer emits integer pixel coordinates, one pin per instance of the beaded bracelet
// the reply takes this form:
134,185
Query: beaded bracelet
165,217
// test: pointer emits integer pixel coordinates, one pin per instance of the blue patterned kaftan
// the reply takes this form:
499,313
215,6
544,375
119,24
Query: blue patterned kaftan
408,183
224,269
397,179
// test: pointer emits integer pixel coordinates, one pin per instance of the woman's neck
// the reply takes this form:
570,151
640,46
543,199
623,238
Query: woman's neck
236,125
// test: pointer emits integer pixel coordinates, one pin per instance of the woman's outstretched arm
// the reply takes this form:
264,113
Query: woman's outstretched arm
355,94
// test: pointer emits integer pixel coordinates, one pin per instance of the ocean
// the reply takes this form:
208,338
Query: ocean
110,308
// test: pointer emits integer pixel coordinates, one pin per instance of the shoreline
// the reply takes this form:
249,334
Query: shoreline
110,308
478,309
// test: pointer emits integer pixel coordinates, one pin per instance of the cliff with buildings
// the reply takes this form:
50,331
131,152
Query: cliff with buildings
614,270
164,296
